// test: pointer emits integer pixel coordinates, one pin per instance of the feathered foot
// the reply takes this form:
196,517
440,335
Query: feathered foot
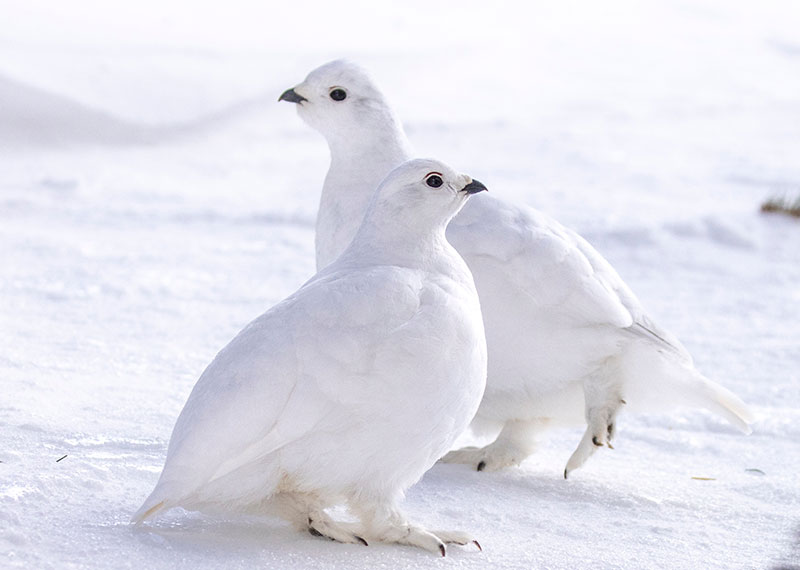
306,511
388,525
600,430
456,537
319,524
514,444
432,541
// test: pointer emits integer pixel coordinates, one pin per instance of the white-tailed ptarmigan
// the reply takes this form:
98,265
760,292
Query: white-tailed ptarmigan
568,340
351,388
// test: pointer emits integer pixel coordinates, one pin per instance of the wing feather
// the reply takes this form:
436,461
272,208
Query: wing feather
282,373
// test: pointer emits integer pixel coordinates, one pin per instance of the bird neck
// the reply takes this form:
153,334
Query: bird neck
401,246
358,166
374,147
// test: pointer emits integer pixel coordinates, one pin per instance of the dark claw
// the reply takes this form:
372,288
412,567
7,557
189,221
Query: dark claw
361,540
314,532
623,402
442,549
596,442
565,473
609,445
478,544
481,466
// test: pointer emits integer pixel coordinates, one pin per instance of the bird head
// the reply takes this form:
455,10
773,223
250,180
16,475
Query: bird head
423,192
340,100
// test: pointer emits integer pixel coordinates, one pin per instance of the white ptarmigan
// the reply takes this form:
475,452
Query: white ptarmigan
351,388
568,340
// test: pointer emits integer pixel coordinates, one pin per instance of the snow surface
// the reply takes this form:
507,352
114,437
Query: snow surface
154,197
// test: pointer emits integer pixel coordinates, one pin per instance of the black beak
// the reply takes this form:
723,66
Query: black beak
474,187
291,96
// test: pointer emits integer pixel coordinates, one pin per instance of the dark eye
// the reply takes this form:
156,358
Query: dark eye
434,181
338,95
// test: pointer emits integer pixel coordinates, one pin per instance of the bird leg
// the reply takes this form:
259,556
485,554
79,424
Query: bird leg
388,525
320,524
515,443
603,402
306,512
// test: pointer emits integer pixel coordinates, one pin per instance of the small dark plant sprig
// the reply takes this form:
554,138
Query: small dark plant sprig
782,205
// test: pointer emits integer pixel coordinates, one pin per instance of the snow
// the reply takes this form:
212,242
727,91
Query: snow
154,198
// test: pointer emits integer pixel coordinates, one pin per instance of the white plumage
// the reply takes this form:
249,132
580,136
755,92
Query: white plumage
568,341
351,388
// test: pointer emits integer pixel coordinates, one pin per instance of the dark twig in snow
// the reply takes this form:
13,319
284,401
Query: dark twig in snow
782,205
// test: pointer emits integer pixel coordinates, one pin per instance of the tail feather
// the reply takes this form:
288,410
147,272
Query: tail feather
153,504
657,381
725,403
